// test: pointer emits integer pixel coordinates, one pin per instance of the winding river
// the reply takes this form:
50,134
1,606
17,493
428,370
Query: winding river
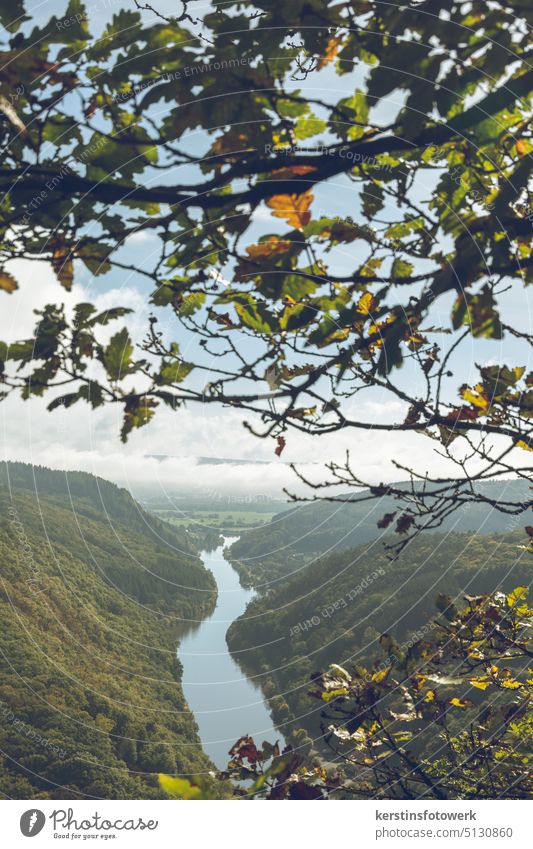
225,703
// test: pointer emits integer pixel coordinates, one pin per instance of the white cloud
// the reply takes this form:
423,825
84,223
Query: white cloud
82,438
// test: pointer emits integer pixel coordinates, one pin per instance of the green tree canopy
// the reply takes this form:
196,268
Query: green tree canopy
226,139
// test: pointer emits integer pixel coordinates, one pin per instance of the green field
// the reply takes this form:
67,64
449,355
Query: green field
219,519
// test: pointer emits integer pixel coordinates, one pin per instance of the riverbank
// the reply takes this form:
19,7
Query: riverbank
225,702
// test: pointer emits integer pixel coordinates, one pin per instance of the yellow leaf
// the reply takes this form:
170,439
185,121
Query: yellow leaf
480,683
179,788
511,684
430,696
379,676
333,694
293,208
460,704
365,304
476,398
516,595
7,282
338,335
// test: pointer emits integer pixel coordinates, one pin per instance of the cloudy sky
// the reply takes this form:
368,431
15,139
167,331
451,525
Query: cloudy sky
79,438
83,439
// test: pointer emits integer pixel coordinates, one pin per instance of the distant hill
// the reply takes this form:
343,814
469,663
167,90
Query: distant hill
212,461
93,594
85,493
280,547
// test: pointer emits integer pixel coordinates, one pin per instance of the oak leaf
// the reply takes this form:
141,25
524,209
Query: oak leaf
293,208
7,282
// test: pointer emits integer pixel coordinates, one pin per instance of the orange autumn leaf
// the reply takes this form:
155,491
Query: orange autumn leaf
290,171
7,282
230,142
523,147
293,208
332,48
63,266
270,247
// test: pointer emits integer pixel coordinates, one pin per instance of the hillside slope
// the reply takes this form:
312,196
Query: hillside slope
334,609
92,595
279,549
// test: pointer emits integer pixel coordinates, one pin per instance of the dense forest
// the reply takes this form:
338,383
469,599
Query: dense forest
334,608
93,594
280,548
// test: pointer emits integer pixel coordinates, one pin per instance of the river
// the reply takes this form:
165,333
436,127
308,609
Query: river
225,703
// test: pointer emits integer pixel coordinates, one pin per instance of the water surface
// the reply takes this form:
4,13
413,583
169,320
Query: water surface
225,703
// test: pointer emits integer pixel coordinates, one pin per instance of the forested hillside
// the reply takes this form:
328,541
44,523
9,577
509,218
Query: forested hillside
292,538
93,593
334,609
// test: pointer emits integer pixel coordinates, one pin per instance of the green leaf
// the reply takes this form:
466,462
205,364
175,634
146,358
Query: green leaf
309,126
401,268
444,603
64,401
105,317
373,199
479,313
391,354
179,788
290,109
138,411
255,316
82,314
512,187
117,355
191,303
356,108
12,14
296,317
172,371
92,393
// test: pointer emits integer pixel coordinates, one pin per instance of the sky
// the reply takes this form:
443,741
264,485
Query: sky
80,438
83,439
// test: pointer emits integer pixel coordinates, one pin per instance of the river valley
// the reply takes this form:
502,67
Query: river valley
225,703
